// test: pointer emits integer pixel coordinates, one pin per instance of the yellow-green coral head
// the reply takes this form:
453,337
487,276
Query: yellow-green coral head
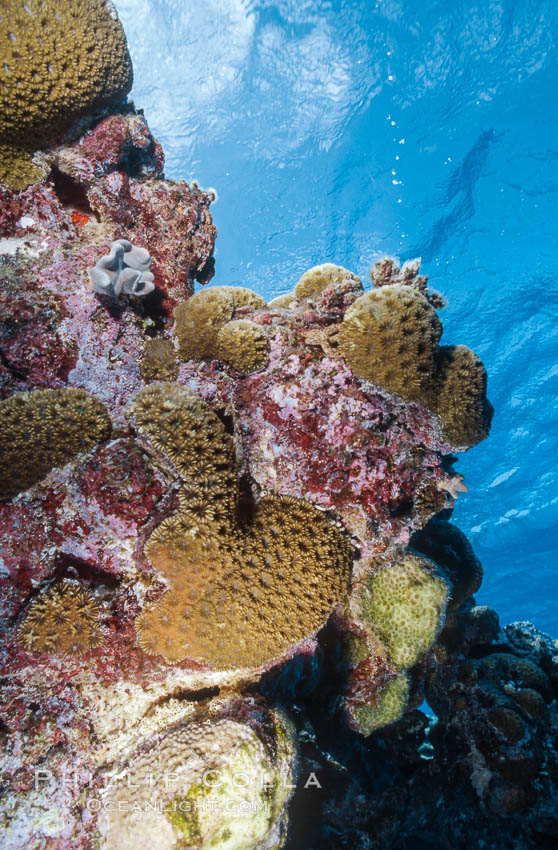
387,705
58,61
404,604
213,783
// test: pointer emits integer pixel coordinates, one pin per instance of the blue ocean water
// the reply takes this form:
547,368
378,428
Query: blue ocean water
344,130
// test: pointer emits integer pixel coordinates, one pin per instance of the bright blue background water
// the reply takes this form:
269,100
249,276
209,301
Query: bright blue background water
341,131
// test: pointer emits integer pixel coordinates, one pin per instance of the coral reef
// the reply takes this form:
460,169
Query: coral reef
206,327
499,691
59,61
43,429
267,526
64,618
158,361
231,576
108,185
124,269
220,779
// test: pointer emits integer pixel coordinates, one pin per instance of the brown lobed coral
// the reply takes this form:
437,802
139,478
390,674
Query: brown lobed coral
459,395
207,328
42,429
158,362
243,345
235,577
58,61
315,280
64,618
404,604
390,336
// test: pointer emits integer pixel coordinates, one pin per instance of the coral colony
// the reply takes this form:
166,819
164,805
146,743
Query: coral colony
225,525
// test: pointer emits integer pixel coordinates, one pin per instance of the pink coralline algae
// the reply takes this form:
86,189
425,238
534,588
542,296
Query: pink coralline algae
312,431
109,185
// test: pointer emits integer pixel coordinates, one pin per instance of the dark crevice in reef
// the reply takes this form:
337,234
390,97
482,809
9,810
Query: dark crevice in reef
70,567
227,420
206,272
403,508
152,307
197,696
149,307
246,503
135,162
70,193
17,373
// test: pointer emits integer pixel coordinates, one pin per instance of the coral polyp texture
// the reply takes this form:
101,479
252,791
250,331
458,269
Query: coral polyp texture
43,429
63,619
386,707
218,779
389,336
235,576
209,326
404,603
318,278
58,61
460,395
158,361
243,345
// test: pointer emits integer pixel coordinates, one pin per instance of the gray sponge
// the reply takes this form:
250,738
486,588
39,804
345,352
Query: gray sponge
124,269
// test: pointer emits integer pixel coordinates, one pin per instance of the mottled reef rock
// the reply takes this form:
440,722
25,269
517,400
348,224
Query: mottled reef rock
481,774
225,539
